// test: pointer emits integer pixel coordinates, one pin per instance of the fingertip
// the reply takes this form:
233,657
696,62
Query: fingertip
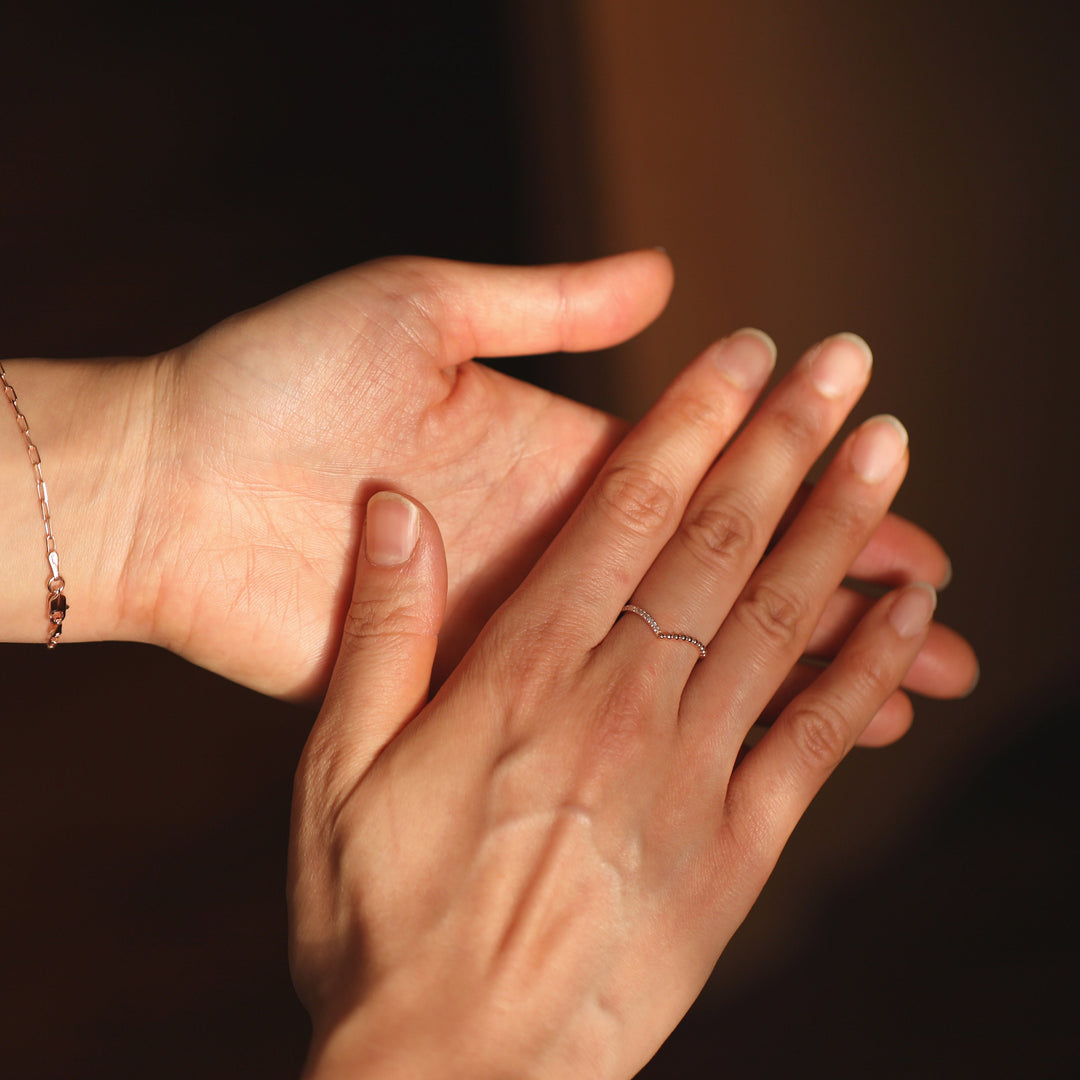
877,447
604,301
839,365
400,582
890,723
765,339
389,635
559,307
654,263
912,609
653,270
947,575
745,358
900,552
859,342
946,667
974,684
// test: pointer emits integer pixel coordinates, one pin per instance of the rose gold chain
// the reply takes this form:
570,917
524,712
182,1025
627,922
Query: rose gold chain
57,604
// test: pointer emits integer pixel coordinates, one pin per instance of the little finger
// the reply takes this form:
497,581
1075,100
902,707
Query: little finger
891,722
775,781
945,668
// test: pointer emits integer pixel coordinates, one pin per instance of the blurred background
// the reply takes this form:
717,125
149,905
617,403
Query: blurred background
906,171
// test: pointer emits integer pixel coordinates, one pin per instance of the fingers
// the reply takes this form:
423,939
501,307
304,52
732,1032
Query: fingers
899,552
638,500
889,724
775,782
945,668
512,311
383,670
694,582
892,722
774,616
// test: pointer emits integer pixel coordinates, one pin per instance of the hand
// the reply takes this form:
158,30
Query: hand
282,421
534,873
209,499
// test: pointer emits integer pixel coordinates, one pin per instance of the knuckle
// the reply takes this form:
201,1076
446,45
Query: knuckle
697,412
821,734
745,842
636,497
779,615
405,275
635,693
622,727
369,618
846,519
412,306
874,670
796,426
720,535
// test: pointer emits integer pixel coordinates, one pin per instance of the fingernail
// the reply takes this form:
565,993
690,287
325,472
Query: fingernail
913,609
392,527
840,365
878,447
743,361
947,579
974,683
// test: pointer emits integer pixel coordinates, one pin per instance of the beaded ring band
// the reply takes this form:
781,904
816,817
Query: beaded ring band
654,626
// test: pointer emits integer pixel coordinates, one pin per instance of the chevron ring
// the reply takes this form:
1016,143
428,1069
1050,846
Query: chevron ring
655,628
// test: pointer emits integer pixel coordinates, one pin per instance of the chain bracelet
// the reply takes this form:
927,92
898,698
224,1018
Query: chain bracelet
57,602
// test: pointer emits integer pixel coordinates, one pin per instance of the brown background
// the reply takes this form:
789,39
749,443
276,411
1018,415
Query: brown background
905,171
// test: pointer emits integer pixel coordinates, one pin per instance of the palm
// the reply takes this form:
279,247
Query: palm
290,416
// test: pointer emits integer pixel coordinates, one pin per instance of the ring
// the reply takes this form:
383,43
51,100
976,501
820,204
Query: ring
654,626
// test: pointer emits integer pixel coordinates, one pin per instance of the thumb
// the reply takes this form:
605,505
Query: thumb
383,670
484,311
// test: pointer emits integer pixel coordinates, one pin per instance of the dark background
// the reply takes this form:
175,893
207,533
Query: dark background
909,173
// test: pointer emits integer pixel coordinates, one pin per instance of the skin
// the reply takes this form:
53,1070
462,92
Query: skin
600,830
209,499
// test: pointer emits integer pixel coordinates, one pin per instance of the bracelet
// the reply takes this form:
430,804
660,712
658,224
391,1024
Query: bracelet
57,603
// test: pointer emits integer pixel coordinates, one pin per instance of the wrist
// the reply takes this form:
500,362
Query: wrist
92,423
377,1047
405,1037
